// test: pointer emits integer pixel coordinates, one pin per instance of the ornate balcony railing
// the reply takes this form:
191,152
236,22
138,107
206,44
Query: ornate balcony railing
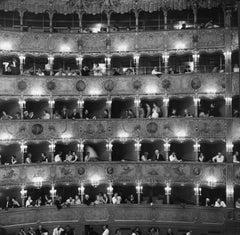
119,42
118,172
180,84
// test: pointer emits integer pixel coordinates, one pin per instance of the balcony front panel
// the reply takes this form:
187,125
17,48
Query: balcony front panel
207,129
123,173
113,214
126,41
120,85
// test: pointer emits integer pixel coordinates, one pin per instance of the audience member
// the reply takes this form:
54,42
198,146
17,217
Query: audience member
219,158
219,203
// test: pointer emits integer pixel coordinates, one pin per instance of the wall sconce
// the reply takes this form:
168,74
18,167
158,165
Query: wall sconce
95,181
80,146
53,192
166,100
109,101
166,146
137,145
196,57
52,146
196,147
109,145
227,54
230,191
65,48
22,59
108,60
168,190
229,147
165,56
22,103
136,58
197,190
81,189
80,102
137,101
5,46
123,136
50,59
23,148
110,190
196,101
181,134
139,188
23,193
228,100
79,60
51,103
211,181
37,180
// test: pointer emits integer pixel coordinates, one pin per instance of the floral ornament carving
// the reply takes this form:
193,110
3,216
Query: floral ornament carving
80,85
137,84
22,85
166,84
51,85
37,129
196,83
152,127
108,85
81,171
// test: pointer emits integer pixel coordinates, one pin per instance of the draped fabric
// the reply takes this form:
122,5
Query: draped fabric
98,6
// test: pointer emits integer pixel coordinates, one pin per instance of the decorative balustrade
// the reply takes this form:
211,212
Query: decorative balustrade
179,84
118,172
119,42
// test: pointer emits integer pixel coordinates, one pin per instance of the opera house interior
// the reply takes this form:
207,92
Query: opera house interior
119,117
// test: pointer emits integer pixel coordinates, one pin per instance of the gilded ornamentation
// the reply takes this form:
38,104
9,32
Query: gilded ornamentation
37,129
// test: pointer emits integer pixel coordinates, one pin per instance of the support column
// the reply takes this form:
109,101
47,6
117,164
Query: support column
195,11
165,106
81,191
197,193
108,64
230,186
22,104
166,146
165,57
51,104
228,106
23,194
196,148
81,150
110,192
137,102
168,191
50,62
109,149
197,101
165,13
52,149
136,12
196,57
137,147
22,62
51,14
139,189
136,58
108,13
23,148
80,17
21,14
109,106
229,150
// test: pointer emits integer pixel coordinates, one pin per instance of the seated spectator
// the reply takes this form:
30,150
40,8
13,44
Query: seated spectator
219,203
131,114
235,68
106,198
156,72
173,158
68,231
149,111
86,200
40,73
58,202
90,158
207,202
58,230
44,157
237,203
41,231
75,115
29,202
173,113
169,232
171,71
31,115
74,156
116,200
187,69
68,157
219,158
236,113
28,159
58,157
116,72
105,113
236,157
15,203
46,115
86,115
21,232
187,114
69,72
31,231
70,201
85,71
131,199
97,70
5,116
156,111
48,201
26,115
215,69
201,157
38,202
144,157
64,113
213,112
77,200
99,199
17,116
209,24
13,160
60,73
157,156
56,115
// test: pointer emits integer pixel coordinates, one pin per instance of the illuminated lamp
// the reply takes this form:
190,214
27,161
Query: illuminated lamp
123,136
79,60
228,100
22,103
109,101
137,145
181,134
23,193
109,146
180,46
230,191
23,148
66,136
50,59
137,101
51,103
37,91
166,146
37,180
196,101
196,147
165,100
211,91
52,147
81,190
197,190
5,137
151,89
110,189
139,188
229,147
53,192
168,189
80,147
122,48
80,102
94,91
95,180
65,48
211,181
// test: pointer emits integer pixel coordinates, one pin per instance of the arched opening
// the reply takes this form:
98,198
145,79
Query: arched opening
124,151
180,63
94,23
10,19
95,151
33,64
11,107
149,150
181,107
151,21
36,22
65,23
212,193
147,63
65,66
66,150
7,151
124,65
36,150
184,150
64,108
35,108
182,194
95,108
121,108
122,22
